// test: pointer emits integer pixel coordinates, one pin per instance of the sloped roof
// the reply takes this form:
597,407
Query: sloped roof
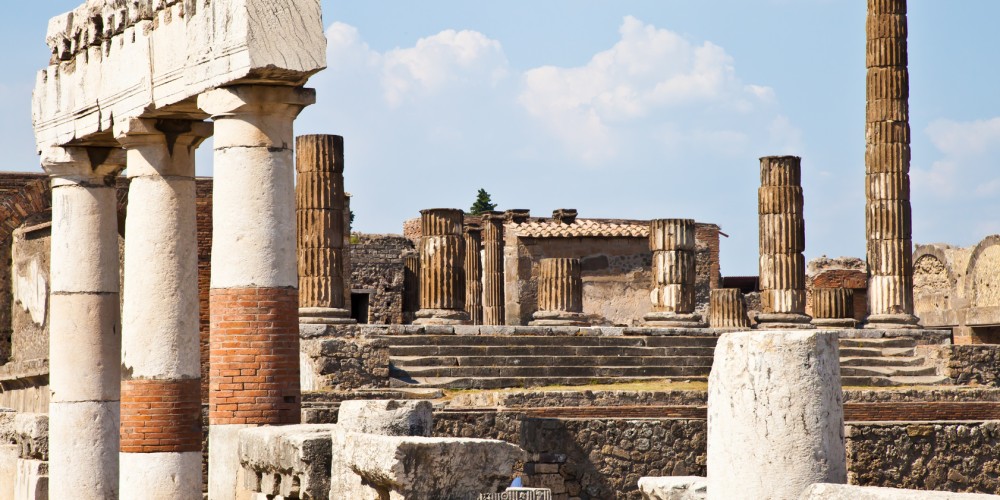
581,228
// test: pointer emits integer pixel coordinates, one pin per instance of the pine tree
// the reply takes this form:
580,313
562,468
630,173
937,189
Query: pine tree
483,203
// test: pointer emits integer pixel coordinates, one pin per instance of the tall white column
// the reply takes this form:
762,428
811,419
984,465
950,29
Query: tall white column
161,441
84,334
254,346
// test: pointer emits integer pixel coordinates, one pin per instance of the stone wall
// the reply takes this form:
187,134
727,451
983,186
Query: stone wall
30,292
338,357
974,365
377,267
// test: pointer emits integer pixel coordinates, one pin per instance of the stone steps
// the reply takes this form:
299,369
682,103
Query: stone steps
455,361
507,382
550,351
881,361
559,371
549,340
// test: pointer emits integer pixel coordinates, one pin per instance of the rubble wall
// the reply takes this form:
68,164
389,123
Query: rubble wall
377,266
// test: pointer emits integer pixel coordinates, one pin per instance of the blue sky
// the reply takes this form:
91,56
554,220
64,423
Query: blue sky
626,108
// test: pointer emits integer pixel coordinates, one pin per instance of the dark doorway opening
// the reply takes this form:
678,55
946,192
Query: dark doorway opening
359,307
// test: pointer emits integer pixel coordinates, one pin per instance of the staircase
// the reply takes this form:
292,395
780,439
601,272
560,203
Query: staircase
502,361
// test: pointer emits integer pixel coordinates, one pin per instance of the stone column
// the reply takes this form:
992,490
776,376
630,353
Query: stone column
775,415
84,334
887,168
474,274
442,277
161,352
323,230
560,294
411,286
833,308
254,350
493,279
672,243
727,309
782,241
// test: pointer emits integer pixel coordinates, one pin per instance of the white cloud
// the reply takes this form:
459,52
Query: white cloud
968,161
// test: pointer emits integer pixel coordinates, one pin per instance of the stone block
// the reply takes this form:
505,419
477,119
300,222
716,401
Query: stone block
845,492
673,488
292,461
387,417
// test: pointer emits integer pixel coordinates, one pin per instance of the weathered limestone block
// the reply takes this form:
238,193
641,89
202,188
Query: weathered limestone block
442,273
727,309
292,461
560,294
833,308
845,492
673,488
24,470
116,60
775,414
387,417
411,468
343,363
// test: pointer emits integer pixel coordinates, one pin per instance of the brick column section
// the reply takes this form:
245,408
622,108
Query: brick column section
84,331
254,352
493,280
474,274
560,294
727,309
833,308
672,242
161,439
323,228
411,286
442,277
887,168
782,241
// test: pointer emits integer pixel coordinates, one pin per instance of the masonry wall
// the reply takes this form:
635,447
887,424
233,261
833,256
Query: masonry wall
377,266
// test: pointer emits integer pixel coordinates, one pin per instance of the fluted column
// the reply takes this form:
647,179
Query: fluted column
474,274
493,272
727,309
782,241
322,220
411,286
887,165
560,294
673,245
833,308
161,381
442,274
84,334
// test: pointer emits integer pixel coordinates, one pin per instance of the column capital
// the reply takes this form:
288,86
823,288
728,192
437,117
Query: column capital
252,116
165,147
82,164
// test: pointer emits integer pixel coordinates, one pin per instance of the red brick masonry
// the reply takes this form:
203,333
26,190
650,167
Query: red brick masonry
161,416
254,357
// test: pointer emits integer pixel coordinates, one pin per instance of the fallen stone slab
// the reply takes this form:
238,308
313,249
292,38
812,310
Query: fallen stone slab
292,461
846,492
387,417
673,488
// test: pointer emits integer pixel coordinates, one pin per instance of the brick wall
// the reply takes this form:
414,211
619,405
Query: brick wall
203,187
377,264
160,416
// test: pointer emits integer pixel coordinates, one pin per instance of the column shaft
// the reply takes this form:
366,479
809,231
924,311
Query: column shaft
672,242
85,339
560,293
833,308
160,322
727,309
411,286
782,241
442,273
254,352
474,274
493,272
323,226
887,165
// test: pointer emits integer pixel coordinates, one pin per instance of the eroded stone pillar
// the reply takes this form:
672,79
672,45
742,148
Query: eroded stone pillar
887,168
254,351
560,294
161,381
442,274
411,286
323,230
782,241
727,309
833,308
775,414
493,278
84,330
474,274
673,245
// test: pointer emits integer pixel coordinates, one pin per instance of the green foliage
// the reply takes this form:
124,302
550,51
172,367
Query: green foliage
483,203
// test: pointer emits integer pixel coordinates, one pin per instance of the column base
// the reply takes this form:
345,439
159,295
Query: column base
559,318
775,321
441,317
892,322
665,319
834,323
325,316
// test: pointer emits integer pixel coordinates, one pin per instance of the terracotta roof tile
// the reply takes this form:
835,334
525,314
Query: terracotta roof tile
581,228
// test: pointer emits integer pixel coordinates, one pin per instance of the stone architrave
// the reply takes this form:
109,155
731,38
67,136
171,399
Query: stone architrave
833,308
411,286
254,302
560,294
474,274
672,243
442,274
887,166
160,320
782,241
727,309
84,339
493,271
322,218
775,414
